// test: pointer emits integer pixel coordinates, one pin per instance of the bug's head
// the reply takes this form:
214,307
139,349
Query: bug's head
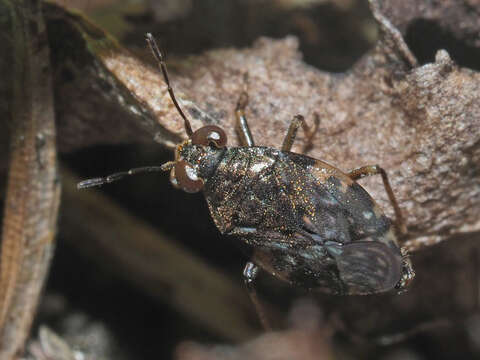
196,158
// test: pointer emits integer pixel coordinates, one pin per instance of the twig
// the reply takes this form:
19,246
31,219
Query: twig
32,192
155,263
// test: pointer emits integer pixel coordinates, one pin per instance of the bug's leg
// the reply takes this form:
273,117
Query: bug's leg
365,171
246,138
299,120
408,274
250,272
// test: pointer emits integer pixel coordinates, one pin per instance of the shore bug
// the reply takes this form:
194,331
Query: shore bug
307,222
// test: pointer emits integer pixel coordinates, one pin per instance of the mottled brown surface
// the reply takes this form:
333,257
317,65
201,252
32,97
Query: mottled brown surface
379,112
404,121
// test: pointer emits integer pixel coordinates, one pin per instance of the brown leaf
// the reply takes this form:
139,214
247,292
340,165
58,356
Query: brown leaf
33,189
420,124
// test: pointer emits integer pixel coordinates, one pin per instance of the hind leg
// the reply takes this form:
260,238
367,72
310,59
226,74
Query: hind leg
370,170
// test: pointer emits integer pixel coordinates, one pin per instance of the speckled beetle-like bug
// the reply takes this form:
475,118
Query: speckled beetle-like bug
307,222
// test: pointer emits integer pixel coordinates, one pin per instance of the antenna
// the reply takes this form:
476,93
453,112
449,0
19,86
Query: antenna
117,176
161,62
165,167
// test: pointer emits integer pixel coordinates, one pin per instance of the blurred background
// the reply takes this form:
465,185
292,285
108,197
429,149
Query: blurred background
98,303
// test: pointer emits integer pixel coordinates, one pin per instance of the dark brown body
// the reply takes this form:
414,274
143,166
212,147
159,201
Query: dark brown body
308,222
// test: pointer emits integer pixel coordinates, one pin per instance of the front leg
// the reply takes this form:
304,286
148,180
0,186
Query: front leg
246,138
299,120
250,273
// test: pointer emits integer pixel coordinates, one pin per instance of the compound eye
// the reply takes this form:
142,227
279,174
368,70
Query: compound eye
185,177
210,135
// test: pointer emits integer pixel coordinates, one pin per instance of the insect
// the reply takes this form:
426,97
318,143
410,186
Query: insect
307,222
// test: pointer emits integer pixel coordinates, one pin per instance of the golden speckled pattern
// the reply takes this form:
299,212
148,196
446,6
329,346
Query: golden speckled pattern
308,222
